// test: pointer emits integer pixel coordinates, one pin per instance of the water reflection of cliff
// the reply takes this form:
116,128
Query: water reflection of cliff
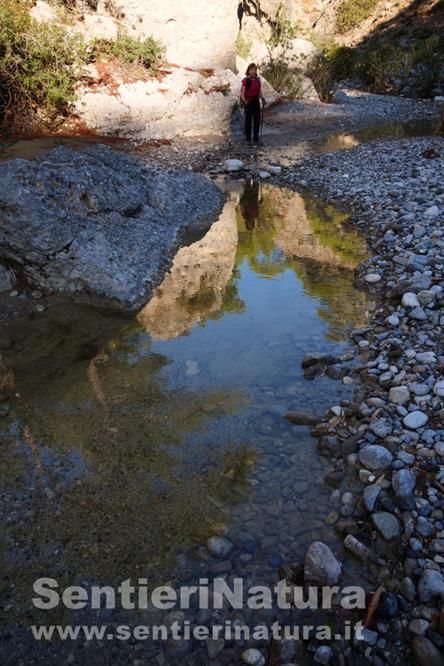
198,284
313,240
272,229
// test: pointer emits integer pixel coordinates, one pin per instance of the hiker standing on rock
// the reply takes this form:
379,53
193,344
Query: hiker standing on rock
251,97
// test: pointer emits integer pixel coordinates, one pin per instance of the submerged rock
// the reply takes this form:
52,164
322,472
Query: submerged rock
415,420
302,418
98,224
321,567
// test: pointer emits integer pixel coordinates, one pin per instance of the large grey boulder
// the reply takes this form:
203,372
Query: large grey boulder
99,224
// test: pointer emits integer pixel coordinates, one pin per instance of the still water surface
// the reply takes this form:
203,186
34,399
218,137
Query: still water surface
131,441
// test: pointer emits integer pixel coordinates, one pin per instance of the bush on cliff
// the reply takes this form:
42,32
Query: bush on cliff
37,68
41,64
132,51
351,13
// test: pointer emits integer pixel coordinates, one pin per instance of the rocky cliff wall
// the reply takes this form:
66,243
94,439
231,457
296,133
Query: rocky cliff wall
196,33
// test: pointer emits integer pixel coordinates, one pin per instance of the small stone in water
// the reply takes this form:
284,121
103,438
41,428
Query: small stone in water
381,428
431,585
192,368
370,495
426,357
320,565
433,211
418,314
403,482
419,626
323,655
425,652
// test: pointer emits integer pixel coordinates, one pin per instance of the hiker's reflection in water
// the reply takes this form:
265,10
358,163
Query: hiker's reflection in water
249,203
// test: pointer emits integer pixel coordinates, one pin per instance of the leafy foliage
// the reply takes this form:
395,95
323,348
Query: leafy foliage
129,51
283,79
278,71
388,68
243,46
352,12
38,66
336,64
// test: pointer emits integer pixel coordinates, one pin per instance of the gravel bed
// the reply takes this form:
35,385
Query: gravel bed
390,440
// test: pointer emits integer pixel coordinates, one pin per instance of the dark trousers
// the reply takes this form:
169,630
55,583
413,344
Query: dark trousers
252,113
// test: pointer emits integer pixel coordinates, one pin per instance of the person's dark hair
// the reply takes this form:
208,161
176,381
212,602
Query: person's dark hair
250,66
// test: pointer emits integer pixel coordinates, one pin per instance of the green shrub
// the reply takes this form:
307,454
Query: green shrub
283,31
388,68
352,12
283,79
243,46
130,51
336,64
278,70
37,68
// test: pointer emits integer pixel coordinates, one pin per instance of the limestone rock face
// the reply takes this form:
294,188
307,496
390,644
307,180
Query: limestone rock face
183,103
43,12
196,33
98,224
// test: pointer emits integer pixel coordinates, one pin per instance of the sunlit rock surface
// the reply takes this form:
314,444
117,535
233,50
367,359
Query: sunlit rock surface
182,103
195,33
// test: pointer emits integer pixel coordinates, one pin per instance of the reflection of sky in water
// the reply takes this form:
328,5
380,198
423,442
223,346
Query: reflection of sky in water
156,431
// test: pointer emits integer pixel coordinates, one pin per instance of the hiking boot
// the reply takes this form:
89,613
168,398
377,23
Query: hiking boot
247,143
258,143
